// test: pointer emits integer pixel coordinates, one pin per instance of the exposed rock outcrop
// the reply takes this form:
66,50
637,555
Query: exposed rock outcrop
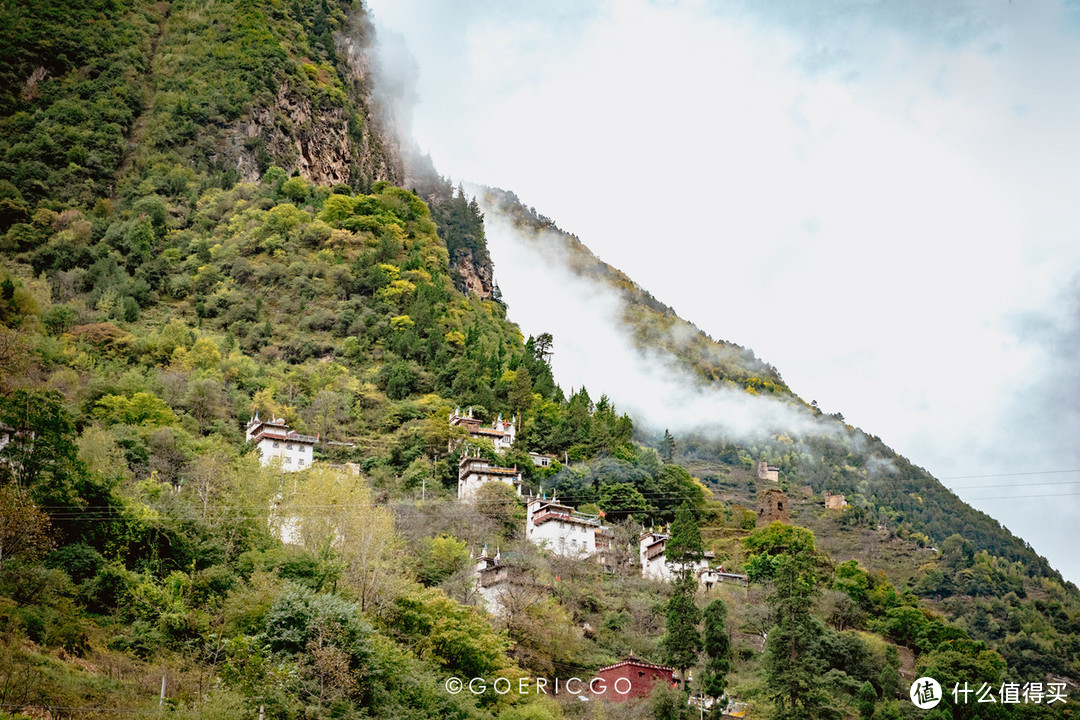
354,142
380,154
297,138
472,276
29,91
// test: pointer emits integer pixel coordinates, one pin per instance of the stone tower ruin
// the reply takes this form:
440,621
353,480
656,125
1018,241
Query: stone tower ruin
772,506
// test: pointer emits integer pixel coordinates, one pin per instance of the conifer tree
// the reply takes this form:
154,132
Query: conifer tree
684,547
520,394
667,447
717,649
889,679
682,640
791,670
866,699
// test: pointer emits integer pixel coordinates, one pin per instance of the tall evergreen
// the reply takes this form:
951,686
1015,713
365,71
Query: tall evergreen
682,639
792,672
866,699
667,447
717,649
684,547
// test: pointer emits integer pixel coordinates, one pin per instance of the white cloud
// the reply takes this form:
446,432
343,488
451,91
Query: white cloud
875,197
593,350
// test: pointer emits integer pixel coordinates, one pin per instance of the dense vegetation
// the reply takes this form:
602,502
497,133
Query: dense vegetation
70,92
169,268
136,394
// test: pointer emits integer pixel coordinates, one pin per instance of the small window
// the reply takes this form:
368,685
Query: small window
301,461
276,444
779,506
288,446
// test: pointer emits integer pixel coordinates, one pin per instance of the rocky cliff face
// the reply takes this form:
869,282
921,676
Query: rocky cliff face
472,276
317,144
354,142
380,152
359,141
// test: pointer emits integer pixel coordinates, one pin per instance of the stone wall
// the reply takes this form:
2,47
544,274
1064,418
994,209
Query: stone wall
773,506
835,502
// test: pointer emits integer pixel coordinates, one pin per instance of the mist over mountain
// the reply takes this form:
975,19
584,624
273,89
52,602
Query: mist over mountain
273,443
888,188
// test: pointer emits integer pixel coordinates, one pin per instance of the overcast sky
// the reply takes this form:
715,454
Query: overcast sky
880,199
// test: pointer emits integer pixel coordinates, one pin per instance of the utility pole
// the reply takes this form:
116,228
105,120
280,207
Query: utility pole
161,701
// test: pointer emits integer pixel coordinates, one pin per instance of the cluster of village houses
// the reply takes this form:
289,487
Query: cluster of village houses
549,523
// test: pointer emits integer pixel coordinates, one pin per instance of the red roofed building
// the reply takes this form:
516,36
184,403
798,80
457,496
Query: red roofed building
633,678
501,433
474,471
277,442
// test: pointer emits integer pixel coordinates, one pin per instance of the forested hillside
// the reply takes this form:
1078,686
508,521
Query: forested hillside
956,559
205,215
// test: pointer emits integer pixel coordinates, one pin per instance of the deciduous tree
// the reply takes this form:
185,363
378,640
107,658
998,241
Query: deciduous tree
336,510
24,528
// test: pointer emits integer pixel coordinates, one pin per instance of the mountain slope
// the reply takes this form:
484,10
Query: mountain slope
649,322
892,503
203,218
873,469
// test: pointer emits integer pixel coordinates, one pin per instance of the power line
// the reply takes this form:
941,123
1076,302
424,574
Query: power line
1040,472
1030,484
1021,497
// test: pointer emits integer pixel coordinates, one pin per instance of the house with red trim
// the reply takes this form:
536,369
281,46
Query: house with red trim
561,529
633,678
501,432
474,471
276,441
655,565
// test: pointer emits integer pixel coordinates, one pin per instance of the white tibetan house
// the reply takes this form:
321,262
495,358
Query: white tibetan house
502,432
277,442
655,566
494,579
474,472
561,529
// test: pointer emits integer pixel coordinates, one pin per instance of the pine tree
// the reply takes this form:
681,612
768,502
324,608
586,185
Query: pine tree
717,649
889,681
667,447
682,640
866,699
520,394
684,547
792,673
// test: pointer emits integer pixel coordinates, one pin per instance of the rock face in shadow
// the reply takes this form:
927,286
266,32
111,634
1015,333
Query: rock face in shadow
328,138
472,276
